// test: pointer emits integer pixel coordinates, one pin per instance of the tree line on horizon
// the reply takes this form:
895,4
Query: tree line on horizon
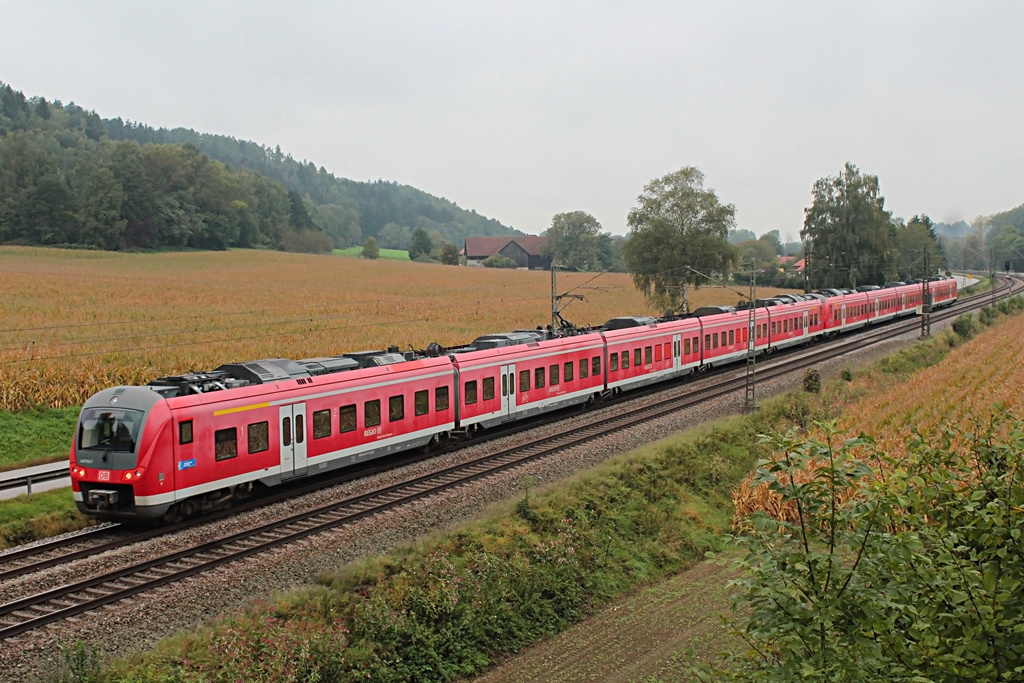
71,178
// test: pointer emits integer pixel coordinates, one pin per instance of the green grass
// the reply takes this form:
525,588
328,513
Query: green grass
27,518
391,254
34,437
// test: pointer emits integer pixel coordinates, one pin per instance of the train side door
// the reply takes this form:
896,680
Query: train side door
807,316
677,352
293,440
844,313
508,390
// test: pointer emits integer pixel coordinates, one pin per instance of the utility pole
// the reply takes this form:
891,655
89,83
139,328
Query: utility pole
749,399
926,307
992,272
807,267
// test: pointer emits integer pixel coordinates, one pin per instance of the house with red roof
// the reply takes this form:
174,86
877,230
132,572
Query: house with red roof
523,249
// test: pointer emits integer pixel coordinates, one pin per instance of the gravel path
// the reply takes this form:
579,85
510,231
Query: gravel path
129,627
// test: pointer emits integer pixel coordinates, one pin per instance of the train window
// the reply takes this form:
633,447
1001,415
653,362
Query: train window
732,338
470,392
259,436
299,424
567,371
421,402
371,413
185,432
584,368
286,431
504,385
396,408
657,351
714,340
347,418
595,367
613,362
538,377
488,388
624,359
524,380
225,443
636,356
707,341
648,357
553,374
321,424
686,346
441,398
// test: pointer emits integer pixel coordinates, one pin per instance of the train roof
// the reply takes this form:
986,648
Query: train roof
628,321
269,370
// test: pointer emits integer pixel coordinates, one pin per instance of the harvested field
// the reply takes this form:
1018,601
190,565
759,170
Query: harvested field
74,322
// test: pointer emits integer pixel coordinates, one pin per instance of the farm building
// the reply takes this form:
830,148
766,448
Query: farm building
523,249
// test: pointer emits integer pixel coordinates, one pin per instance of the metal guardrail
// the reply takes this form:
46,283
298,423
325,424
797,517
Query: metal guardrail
25,478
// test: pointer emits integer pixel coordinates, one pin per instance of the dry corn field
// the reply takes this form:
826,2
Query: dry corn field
75,322
962,391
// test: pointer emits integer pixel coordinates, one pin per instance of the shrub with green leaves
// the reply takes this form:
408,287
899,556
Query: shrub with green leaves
910,575
964,326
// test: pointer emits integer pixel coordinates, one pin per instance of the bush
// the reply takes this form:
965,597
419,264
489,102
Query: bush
497,261
910,577
450,254
987,315
846,375
812,381
964,326
370,249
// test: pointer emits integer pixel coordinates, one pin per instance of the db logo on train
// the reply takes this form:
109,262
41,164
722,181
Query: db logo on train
104,475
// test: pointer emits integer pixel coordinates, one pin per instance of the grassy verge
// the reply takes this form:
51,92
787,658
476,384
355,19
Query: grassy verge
390,254
29,518
34,437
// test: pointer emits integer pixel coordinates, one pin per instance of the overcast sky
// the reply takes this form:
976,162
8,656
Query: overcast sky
521,110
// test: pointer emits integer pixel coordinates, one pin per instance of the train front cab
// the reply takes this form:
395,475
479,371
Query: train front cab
513,382
121,455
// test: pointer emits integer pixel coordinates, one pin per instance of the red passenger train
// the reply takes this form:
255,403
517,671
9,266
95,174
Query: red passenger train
197,442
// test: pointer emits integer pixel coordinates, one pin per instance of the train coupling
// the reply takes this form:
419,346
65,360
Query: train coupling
102,498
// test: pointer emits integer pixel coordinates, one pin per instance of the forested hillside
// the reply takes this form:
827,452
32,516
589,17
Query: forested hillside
70,177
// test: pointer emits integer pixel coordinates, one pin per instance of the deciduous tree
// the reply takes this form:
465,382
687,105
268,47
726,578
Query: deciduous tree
678,235
573,241
850,232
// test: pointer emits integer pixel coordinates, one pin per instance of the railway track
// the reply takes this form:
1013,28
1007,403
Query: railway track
23,615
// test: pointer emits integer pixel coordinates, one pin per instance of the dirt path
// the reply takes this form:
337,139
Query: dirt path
651,635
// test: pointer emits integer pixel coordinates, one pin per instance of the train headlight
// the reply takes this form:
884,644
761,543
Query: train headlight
132,475
78,472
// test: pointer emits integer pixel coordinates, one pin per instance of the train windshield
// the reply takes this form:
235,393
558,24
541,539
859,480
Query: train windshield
109,429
